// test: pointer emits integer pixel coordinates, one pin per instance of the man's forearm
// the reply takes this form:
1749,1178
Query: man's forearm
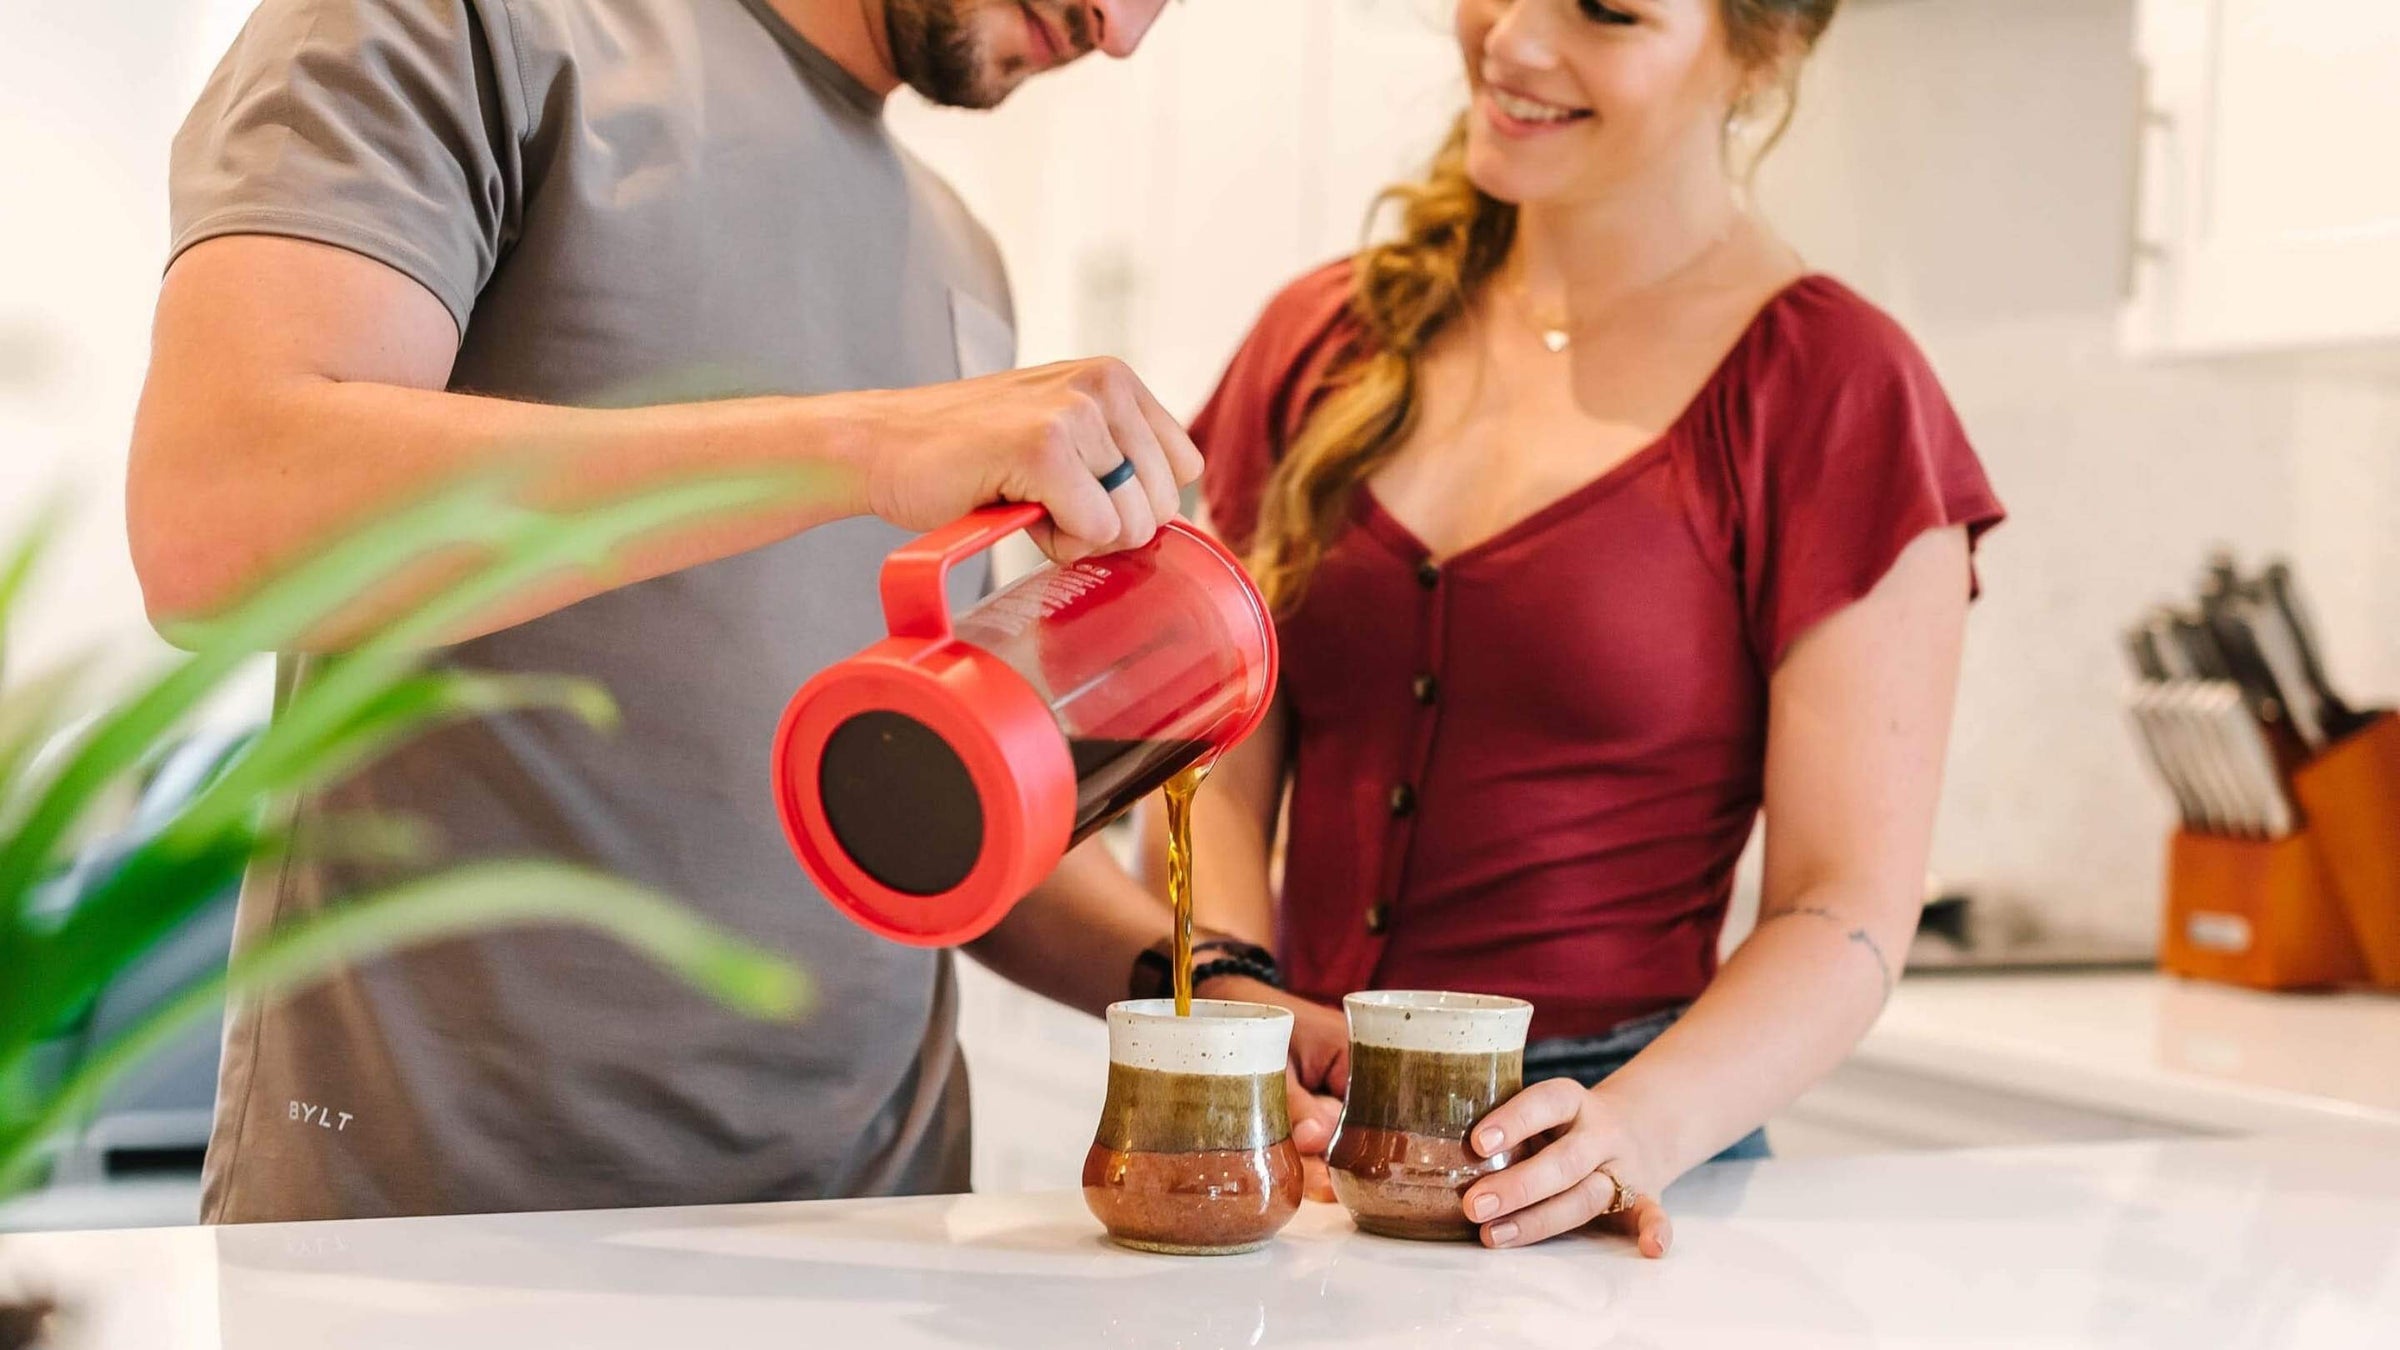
1075,937
297,389
225,489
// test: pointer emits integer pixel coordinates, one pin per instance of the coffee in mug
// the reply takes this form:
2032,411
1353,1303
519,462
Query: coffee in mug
1425,1068
1194,1154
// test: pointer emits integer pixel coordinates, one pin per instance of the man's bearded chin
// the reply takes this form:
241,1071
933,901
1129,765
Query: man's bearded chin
937,52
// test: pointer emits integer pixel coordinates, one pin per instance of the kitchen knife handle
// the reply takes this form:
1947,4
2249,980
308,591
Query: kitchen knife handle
2269,807
2278,653
2190,742
2334,714
2142,711
2141,648
2172,658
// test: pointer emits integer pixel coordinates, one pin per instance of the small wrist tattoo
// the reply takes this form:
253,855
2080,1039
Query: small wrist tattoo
1859,937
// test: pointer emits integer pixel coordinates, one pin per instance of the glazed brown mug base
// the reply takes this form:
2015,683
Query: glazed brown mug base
1400,1184
1210,1202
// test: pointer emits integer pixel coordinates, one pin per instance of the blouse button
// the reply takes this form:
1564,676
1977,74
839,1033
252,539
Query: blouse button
1428,575
1424,687
1378,919
1404,799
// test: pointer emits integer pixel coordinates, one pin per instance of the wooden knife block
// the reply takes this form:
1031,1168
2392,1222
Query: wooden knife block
2255,912
2351,796
2319,908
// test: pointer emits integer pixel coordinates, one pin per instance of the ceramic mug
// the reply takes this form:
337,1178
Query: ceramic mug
1194,1153
1425,1068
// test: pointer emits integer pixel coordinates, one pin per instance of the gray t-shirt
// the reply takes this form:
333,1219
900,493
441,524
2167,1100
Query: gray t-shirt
621,202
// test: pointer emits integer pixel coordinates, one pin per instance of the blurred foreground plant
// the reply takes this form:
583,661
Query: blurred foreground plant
355,705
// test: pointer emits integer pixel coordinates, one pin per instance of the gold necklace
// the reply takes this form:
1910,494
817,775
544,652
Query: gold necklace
1558,336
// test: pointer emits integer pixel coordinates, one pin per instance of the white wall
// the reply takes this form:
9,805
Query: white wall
90,94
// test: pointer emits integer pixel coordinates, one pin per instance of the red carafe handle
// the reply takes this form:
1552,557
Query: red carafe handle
916,592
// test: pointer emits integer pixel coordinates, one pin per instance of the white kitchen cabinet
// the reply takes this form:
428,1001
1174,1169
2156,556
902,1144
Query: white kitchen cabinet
2269,213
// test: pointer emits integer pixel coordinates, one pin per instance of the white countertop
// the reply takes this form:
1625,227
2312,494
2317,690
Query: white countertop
2183,1053
2261,1242
1959,1059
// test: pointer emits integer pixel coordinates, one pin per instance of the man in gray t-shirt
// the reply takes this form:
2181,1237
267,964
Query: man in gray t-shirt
625,238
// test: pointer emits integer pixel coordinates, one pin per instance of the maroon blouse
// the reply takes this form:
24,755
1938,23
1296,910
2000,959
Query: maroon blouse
1530,768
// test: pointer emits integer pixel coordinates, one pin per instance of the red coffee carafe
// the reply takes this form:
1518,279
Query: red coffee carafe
930,781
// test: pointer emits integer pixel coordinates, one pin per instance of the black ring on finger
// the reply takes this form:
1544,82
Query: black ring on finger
1117,477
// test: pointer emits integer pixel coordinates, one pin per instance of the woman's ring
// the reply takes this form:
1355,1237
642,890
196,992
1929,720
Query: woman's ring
1117,477
1621,1198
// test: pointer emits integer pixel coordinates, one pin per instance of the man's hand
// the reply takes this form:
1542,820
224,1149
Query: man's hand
1313,1120
1317,1077
1043,435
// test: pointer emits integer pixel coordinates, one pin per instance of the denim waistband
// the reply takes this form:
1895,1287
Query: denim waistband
1588,1059
1561,1056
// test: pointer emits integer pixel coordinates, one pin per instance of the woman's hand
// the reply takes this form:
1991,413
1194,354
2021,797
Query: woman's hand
1568,1183
1317,1077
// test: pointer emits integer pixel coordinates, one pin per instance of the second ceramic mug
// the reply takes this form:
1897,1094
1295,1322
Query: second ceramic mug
1424,1069
1194,1154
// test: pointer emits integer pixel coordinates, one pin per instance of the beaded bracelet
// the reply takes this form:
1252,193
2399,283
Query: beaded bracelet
1154,971
1262,971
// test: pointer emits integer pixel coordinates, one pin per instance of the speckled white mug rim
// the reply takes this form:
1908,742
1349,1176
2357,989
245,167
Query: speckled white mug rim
1438,1021
1222,1037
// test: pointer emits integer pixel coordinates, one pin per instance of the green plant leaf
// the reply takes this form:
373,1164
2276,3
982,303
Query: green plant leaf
17,567
277,616
362,702
154,889
363,839
743,977
123,917
399,710
532,546
480,513
30,714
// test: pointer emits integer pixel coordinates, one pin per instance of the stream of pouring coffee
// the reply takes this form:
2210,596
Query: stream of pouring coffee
1179,875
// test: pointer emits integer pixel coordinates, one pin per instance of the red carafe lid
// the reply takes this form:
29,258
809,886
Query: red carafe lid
923,782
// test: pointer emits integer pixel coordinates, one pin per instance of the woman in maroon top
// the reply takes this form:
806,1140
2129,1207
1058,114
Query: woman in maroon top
1594,523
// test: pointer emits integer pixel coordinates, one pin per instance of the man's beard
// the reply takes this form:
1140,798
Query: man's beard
937,51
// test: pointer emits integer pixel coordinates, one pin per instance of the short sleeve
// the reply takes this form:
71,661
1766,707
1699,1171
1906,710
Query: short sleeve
1264,396
386,127
1847,451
